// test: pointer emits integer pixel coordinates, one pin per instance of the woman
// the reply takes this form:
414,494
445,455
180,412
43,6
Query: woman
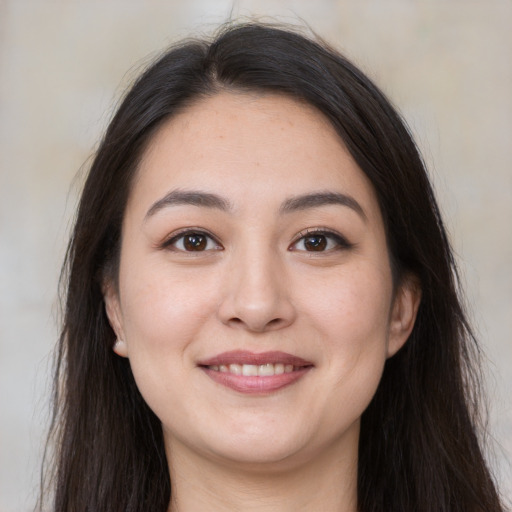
262,308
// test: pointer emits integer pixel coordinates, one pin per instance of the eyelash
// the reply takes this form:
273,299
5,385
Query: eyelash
340,242
168,244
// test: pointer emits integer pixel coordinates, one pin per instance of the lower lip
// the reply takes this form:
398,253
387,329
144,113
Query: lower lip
254,384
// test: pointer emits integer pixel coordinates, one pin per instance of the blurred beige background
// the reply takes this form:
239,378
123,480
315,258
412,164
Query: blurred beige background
447,64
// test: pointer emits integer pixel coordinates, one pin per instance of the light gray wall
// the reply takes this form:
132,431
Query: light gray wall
446,64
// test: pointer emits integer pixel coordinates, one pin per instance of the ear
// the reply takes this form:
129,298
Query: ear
403,315
115,317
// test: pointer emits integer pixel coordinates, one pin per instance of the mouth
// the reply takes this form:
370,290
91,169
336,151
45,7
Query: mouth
252,370
255,373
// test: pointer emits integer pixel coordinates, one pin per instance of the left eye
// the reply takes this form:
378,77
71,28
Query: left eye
193,241
319,242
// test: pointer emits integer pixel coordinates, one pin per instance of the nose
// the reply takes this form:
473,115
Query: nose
257,296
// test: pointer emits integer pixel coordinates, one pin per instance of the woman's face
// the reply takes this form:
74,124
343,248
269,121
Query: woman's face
255,301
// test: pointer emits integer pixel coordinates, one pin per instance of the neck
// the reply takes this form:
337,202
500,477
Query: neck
327,483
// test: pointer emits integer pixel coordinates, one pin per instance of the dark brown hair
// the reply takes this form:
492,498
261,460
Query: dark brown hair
420,444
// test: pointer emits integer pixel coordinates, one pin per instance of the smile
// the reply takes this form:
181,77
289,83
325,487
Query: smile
253,373
252,370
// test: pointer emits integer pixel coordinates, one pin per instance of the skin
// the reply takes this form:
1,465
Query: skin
257,286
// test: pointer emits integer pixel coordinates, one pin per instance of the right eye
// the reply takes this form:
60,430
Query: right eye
193,241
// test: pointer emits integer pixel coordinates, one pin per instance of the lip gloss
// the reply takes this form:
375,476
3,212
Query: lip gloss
255,373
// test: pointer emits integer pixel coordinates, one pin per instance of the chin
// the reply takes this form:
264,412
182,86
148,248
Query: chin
260,458
245,448
267,449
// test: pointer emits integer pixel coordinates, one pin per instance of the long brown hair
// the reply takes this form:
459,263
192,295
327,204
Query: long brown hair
420,446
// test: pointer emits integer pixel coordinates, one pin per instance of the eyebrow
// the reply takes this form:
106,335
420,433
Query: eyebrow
293,204
314,200
192,197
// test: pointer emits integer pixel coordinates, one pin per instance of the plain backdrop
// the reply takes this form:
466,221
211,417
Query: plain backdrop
446,64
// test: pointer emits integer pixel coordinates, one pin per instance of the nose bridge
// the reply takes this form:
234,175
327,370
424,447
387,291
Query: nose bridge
257,296
257,278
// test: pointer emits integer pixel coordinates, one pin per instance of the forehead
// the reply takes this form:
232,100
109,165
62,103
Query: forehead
249,147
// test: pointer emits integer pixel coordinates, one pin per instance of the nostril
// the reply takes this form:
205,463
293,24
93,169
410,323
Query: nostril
255,313
275,323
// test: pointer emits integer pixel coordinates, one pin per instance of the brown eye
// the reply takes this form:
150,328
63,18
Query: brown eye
320,241
192,241
315,243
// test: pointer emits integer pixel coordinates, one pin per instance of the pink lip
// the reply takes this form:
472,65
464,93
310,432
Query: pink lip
255,384
246,357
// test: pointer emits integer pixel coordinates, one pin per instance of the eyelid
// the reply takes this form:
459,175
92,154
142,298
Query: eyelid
341,241
176,235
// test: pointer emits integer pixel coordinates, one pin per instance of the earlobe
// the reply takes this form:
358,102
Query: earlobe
113,310
403,315
120,348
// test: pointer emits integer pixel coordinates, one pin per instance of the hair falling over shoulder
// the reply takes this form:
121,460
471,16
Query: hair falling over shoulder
421,441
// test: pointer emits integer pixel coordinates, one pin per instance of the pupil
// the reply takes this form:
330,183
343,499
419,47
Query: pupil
315,243
195,242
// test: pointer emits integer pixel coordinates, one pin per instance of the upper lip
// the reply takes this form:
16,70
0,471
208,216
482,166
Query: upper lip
247,357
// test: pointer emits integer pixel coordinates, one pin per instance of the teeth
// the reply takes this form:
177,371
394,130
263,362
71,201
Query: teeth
253,370
235,368
249,370
278,369
266,369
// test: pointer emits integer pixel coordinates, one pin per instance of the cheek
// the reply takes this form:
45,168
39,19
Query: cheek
358,296
164,309
164,312
351,311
